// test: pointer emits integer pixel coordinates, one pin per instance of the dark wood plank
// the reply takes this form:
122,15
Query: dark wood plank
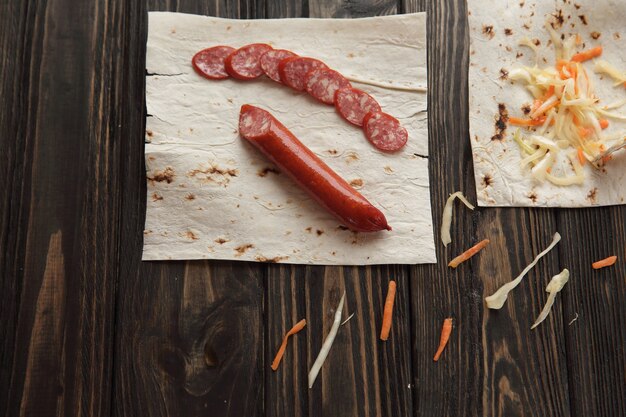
59,235
362,375
596,340
190,333
494,364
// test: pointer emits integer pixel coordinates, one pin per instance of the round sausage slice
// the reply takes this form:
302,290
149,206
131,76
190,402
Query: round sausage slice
384,131
293,70
244,63
353,104
323,83
270,61
210,62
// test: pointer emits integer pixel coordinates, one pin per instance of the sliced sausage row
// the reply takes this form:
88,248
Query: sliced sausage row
305,74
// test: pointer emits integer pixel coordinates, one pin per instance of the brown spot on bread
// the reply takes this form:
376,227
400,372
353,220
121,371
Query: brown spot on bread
156,196
149,132
526,108
488,31
214,174
221,240
583,19
519,55
350,55
537,42
167,175
595,35
190,197
147,232
558,20
591,195
351,157
191,235
319,232
616,36
243,248
173,30
508,48
342,227
577,6
521,3
500,124
533,197
267,170
333,151
358,182
526,26
230,100
273,260
508,32
228,27
487,180
504,74
309,229
388,169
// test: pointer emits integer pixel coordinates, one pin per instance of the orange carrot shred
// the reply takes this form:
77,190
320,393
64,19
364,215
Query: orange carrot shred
388,311
560,63
604,262
588,54
446,330
516,121
584,131
604,123
581,157
281,350
468,253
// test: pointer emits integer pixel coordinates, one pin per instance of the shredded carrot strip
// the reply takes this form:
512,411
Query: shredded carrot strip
516,121
281,350
604,123
581,157
388,311
604,262
575,120
584,131
446,330
560,63
549,170
468,253
588,54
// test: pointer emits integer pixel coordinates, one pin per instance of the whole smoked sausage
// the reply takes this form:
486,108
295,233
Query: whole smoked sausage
279,145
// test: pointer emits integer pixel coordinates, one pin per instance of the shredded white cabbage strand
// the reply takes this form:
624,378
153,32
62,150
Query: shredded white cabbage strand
446,219
497,299
603,67
328,342
555,285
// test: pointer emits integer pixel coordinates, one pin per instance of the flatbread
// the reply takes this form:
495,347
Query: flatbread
213,196
495,30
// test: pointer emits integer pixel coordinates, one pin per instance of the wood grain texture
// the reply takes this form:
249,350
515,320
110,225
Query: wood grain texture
596,340
59,218
362,376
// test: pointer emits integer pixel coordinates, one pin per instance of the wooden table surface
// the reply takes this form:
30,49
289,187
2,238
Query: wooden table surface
87,329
